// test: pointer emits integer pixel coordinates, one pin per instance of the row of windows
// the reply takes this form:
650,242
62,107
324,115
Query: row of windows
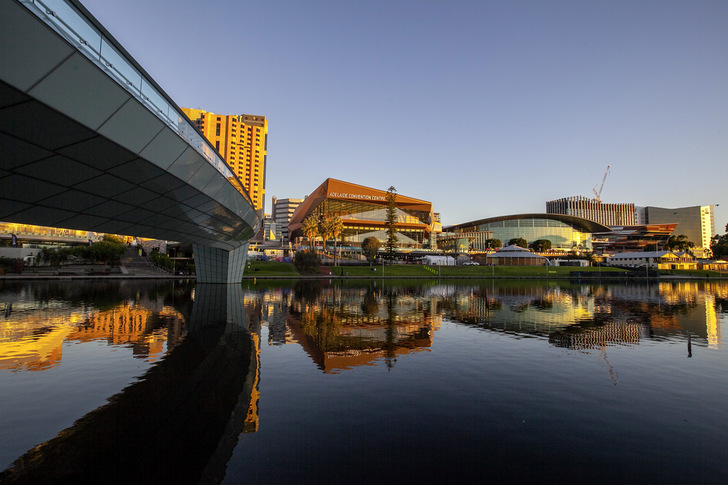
344,208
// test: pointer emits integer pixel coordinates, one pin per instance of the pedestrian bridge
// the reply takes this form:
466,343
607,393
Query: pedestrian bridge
89,141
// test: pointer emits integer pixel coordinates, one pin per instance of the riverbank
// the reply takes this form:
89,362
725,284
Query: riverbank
275,270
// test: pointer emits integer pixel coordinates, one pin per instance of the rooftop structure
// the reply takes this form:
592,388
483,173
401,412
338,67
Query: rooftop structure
515,256
631,238
594,210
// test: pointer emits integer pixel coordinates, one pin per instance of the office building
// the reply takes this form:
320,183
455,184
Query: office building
270,229
242,141
283,210
696,222
594,210
363,211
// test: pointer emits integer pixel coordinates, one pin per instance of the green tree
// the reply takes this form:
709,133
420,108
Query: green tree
518,241
541,245
679,243
306,261
106,251
310,229
370,247
161,260
113,239
391,222
719,245
493,243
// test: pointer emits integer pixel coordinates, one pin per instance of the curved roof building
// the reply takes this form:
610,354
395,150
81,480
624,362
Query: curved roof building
564,232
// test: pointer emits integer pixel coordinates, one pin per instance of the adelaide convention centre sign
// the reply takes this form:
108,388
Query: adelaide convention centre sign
341,195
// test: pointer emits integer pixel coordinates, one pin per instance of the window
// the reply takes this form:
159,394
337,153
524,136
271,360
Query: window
217,130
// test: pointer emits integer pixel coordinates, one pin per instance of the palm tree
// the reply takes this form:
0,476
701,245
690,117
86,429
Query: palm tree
336,226
325,231
310,229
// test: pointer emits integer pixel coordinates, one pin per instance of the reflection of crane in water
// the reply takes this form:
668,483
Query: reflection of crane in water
612,372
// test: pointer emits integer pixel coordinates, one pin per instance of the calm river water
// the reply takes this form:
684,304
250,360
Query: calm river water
363,382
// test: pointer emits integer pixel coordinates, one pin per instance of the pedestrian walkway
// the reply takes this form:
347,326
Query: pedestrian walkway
134,264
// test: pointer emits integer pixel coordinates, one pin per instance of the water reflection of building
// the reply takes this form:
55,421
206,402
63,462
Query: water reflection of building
191,405
33,338
609,333
252,417
360,326
365,344
666,308
148,332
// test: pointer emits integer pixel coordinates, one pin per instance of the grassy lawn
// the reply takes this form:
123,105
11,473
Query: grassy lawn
398,270
272,268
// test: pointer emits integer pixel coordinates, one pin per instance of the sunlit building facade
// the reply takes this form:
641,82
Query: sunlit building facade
47,234
242,141
594,210
283,210
363,210
696,222
639,237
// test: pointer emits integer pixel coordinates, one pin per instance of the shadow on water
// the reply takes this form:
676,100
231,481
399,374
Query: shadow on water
178,424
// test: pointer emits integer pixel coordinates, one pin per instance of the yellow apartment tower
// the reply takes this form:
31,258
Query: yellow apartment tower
242,140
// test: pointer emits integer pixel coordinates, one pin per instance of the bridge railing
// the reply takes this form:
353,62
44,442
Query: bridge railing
75,27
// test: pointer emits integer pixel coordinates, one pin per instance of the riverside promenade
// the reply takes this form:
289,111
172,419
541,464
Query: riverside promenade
132,266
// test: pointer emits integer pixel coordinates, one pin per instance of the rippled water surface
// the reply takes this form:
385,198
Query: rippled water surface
363,382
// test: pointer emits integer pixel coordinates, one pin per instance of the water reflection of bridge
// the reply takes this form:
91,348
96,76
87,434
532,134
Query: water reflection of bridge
178,424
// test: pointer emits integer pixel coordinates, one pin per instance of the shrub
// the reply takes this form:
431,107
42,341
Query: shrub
161,260
306,260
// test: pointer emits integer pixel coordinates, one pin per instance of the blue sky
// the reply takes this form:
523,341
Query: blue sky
483,108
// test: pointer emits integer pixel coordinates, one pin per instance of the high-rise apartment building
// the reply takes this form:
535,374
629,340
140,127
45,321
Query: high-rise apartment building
242,141
696,222
594,210
283,210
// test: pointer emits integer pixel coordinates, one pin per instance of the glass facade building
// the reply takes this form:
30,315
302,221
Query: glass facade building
363,211
564,232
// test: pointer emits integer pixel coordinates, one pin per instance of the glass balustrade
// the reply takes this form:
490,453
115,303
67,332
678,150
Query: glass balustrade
78,30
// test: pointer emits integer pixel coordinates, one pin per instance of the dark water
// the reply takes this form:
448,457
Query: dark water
363,382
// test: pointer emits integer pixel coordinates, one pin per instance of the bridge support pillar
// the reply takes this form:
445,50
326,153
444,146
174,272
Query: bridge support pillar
214,265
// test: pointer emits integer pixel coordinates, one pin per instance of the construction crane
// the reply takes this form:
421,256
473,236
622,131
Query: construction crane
599,193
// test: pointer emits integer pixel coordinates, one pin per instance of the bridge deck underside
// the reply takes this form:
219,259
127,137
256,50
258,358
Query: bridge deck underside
80,152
